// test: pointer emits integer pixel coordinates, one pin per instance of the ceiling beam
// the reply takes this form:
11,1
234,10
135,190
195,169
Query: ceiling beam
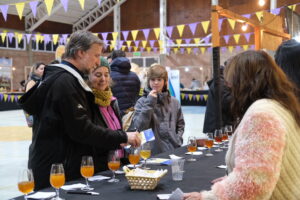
97,14
31,22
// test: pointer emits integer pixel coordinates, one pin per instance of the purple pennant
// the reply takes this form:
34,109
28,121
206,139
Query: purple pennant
65,36
4,9
152,43
276,11
8,98
129,48
120,44
209,49
125,34
33,5
28,36
194,97
223,49
181,50
201,97
195,50
137,42
220,23
206,40
10,37
247,36
65,4
104,35
146,33
252,47
155,49
187,41
99,2
193,27
247,15
226,38
46,38
16,98
1,97
186,96
170,30
169,50
142,49
61,40
238,48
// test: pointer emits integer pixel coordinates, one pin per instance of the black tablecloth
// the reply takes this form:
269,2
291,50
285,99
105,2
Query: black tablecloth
197,176
193,98
9,101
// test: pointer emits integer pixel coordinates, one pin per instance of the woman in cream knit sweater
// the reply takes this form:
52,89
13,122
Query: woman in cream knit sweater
264,155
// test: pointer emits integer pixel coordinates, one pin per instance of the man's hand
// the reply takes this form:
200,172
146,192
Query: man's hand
192,196
134,139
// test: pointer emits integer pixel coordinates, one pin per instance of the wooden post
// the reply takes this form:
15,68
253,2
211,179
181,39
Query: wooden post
257,38
215,27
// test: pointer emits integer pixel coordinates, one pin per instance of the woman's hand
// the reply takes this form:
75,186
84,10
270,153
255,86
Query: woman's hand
153,93
192,196
218,179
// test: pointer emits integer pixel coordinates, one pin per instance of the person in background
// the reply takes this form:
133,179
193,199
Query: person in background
126,84
66,125
157,110
36,74
287,57
195,84
264,154
109,58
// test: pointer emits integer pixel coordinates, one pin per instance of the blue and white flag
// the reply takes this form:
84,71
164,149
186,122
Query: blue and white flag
147,135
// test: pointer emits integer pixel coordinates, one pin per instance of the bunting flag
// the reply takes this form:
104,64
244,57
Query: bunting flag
125,34
190,96
49,5
202,49
197,97
33,6
20,9
187,41
236,38
230,48
247,16
292,7
148,49
137,42
182,96
206,39
205,97
197,40
152,43
5,96
99,2
231,23
189,50
134,34
81,2
135,48
4,9
146,33
104,36
169,30
175,50
276,11
129,48
3,36
19,37
178,42
259,15
115,35
238,48
156,32
193,27
28,36
226,38
10,37
205,25
55,38
123,48
247,36
195,50
12,98
160,42
180,29
65,4
128,42
245,47
181,50
144,43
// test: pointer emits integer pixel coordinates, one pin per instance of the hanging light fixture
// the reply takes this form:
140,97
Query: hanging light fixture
261,2
244,27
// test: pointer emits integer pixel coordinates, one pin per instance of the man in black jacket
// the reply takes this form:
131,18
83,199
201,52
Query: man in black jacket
67,125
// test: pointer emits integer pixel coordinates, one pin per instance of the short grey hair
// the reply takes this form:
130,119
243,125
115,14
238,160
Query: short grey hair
81,40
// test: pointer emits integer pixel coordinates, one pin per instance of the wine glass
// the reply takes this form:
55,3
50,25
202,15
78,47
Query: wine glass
134,156
87,170
228,130
57,178
114,164
145,153
224,138
192,147
209,143
218,138
25,181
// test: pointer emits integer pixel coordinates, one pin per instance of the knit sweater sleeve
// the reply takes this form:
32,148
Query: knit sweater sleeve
258,155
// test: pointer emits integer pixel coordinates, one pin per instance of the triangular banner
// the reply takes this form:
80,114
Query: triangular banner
3,35
12,98
193,27
55,38
205,97
196,40
5,96
10,37
189,50
230,49
19,37
276,11
4,9
146,33
197,97
160,42
134,34
182,96
128,42
49,5
231,23
33,5
236,38
292,7
123,48
205,25
115,35
245,47
187,41
148,49
137,42
20,9
226,38
144,43
170,30
125,34
247,36
259,15
104,36
135,48
152,42
195,51
237,48
181,50
178,42
190,97
180,29
65,4
156,32
28,36
202,49
175,50
81,2
247,15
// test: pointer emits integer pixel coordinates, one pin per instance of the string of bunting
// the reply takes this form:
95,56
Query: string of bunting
9,97
194,97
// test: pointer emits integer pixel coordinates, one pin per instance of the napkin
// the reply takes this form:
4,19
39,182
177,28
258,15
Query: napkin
98,178
132,166
156,161
197,153
41,195
172,156
73,186
176,195
222,166
202,148
119,172
163,196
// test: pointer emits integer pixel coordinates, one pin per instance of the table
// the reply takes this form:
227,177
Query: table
9,101
197,177
193,97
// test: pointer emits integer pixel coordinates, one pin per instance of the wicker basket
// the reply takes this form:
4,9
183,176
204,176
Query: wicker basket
143,183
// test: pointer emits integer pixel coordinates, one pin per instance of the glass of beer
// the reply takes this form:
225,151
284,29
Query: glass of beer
209,143
218,138
192,147
145,153
134,156
114,164
25,182
57,178
87,170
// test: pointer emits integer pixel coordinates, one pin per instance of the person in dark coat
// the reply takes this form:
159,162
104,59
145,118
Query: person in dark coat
126,84
67,125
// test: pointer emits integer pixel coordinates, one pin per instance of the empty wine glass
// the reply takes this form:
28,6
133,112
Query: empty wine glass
87,170
25,182
57,178
145,153
209,143
218,138
114,164
192,147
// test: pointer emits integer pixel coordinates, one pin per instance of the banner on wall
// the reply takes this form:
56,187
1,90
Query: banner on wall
174,83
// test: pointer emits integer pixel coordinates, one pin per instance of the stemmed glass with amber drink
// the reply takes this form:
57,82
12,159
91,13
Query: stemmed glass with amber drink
192,147
145,153
218,138
209,142
134,156
25,182
114,164
57,178
87,170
